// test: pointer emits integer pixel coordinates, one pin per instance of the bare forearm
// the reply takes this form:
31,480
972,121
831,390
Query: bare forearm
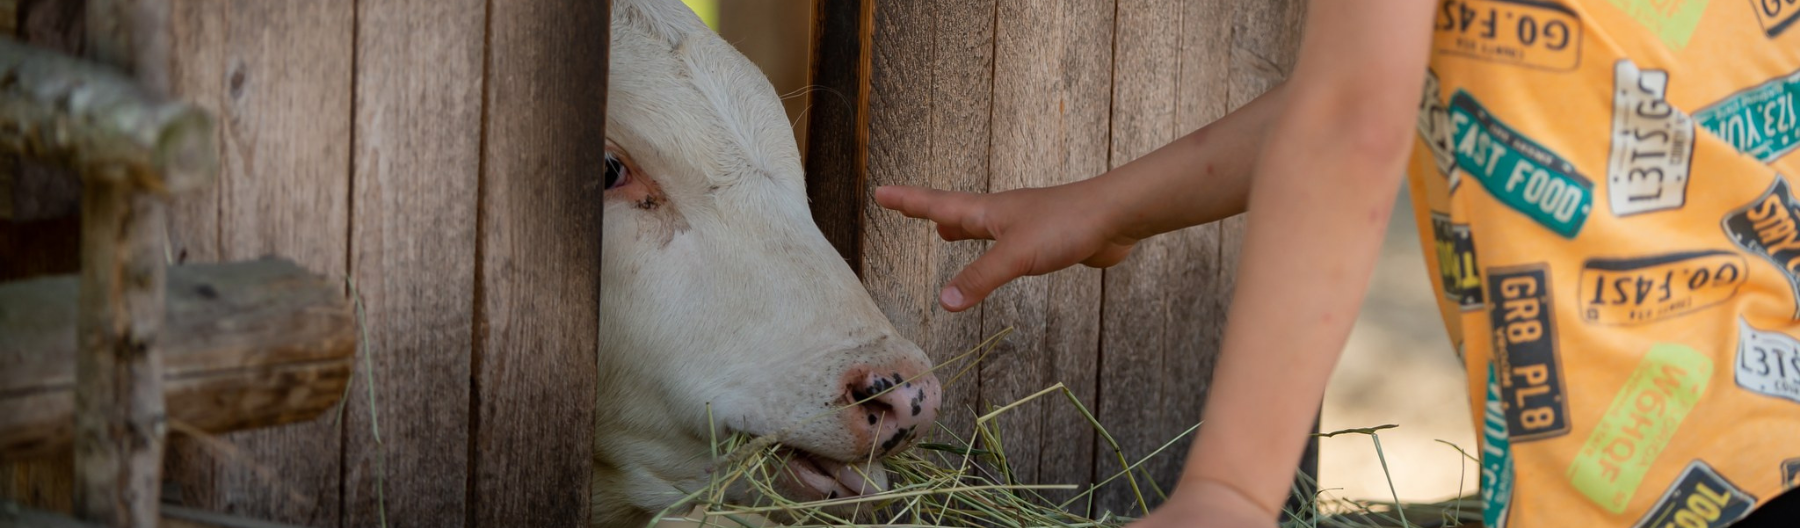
1309,251
1200,178
1325,185
1325,180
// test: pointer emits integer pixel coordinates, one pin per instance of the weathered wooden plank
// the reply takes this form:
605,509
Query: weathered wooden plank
958,131
43,237
280,75
197,75
1027,49
837,131
179,517
1196,300
14,515
537,293
927,103
1137,309
244,345
43,483
1050,127
1073,328
39,230
417,156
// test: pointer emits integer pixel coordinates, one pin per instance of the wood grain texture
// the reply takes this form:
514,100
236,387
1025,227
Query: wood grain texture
1196,297
836,130
245,345
277,75
1050,126
45,242
40,232
197,75
1137,309
929,100
416,159
1165,307
537,296
199,54
13,515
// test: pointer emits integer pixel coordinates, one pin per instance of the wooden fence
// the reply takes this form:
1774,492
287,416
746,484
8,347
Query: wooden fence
989,95
442,155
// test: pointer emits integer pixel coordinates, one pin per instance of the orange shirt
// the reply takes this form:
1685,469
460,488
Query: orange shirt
1600,185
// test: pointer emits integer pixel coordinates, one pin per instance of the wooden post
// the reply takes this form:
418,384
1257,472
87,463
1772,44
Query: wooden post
120,422
119,419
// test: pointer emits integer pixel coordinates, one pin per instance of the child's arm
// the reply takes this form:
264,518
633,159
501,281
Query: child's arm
1325,173
1324,186
1199,178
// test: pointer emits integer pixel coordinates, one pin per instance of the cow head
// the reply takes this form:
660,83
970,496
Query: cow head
723,307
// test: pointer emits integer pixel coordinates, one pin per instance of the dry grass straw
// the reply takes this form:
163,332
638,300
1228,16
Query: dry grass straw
966,481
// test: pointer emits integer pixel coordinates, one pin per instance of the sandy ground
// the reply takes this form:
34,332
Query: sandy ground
1398,368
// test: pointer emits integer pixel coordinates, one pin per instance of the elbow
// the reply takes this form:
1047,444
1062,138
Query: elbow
1357,128
1384,138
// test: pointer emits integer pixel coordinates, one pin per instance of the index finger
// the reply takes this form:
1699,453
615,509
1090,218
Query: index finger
944,207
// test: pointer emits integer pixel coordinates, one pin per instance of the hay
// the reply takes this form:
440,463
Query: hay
966,481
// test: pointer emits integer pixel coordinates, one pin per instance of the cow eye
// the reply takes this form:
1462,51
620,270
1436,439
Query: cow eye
616,172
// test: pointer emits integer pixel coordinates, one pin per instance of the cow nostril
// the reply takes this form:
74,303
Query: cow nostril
871,397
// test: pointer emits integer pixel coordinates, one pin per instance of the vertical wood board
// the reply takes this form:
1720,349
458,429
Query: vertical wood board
416,157
537,294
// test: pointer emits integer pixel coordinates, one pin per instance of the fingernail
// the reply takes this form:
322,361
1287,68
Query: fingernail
952,297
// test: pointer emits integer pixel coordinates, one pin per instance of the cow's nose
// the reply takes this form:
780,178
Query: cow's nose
892,405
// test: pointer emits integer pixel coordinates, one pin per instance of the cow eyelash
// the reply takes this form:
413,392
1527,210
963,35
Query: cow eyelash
617,174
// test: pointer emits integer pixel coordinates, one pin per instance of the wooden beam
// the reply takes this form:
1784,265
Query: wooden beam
100,121
13,515
245,345
120,421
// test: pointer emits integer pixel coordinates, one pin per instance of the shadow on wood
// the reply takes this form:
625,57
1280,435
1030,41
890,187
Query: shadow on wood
14,516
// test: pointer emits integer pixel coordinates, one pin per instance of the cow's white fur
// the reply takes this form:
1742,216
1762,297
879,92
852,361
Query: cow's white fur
724,293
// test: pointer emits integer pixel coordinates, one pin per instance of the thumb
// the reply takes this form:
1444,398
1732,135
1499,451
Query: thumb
1000,265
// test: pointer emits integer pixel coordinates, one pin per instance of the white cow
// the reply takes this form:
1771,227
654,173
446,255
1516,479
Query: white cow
718,289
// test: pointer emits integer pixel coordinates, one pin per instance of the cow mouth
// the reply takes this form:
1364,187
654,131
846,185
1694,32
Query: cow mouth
816,477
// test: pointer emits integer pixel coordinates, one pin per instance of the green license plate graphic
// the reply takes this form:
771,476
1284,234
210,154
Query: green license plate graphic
1760,121
1517,171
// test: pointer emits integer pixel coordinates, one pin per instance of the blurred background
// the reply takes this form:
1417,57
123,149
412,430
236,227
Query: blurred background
1398,367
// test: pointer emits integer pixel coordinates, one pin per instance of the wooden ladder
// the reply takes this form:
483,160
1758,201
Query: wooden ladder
107,361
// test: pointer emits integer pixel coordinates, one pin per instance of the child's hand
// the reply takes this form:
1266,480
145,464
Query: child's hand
1035,231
